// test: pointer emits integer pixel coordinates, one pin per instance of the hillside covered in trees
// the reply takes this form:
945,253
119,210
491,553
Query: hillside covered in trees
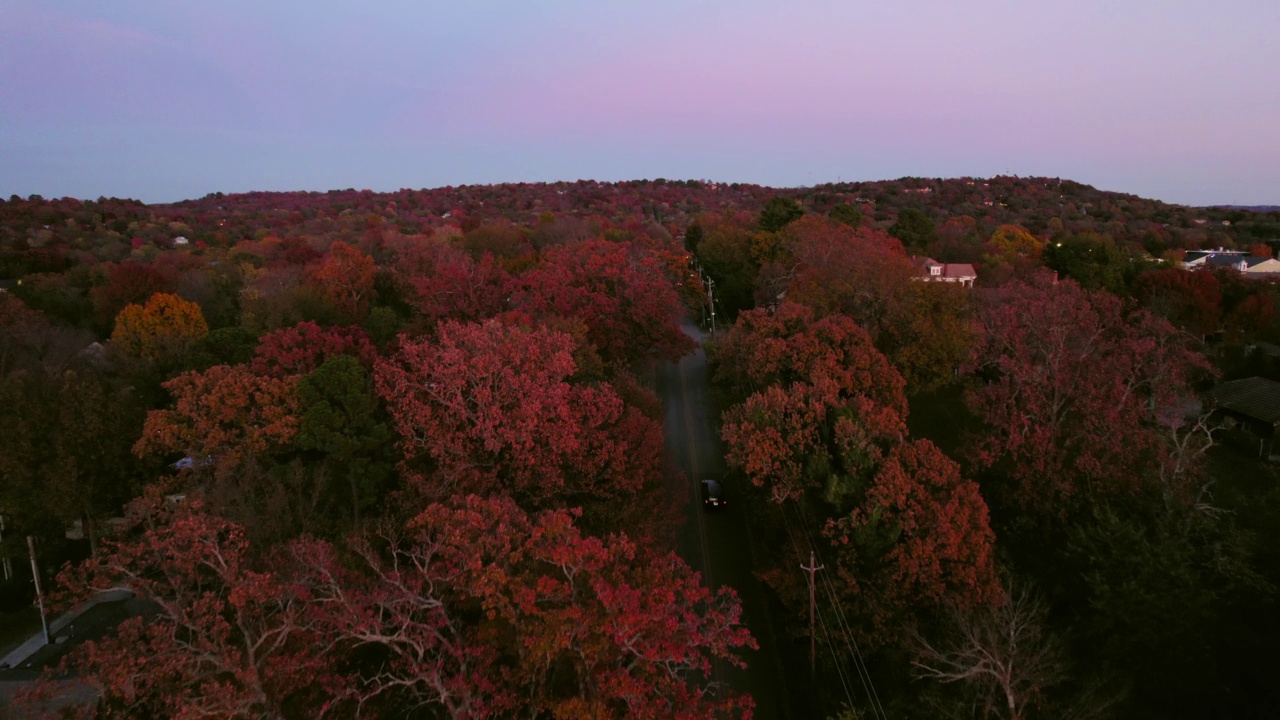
399,454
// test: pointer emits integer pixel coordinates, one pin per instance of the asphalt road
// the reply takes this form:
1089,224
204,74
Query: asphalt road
717,544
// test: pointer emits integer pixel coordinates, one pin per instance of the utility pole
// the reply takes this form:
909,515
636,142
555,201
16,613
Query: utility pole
5,564
711,302
812,569
35,575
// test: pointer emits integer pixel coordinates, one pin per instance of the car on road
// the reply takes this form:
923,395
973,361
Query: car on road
712,495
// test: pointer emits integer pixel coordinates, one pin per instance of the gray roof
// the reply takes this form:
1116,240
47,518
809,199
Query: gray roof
1256,397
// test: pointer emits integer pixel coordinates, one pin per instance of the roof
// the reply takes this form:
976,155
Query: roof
1256,397
948,270
1229,260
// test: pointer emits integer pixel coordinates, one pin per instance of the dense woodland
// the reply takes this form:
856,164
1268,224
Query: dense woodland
399,454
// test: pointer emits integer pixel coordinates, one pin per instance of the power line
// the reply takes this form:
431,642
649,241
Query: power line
864,673
835,656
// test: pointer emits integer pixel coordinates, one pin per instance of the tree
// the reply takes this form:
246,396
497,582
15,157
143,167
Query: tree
163,330
918,537
340,416
846,214
460,288
228,637
1002,652
1190,300
126,283
851,271
778,213
1077,393
1092,260
345,277
488,408
914,229
820,404
226,413
618,291
302,348
485,611
725,253
928,332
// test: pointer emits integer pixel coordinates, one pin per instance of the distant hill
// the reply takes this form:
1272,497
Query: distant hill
1250,208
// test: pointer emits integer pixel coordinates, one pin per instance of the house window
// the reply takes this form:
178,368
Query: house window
935,270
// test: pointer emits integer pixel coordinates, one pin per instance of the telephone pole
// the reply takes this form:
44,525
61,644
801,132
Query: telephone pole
812,569
711,303
35,575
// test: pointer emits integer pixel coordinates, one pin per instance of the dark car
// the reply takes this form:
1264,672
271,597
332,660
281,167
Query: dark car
712,495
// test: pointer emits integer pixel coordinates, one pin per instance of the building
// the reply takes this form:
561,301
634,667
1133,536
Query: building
934,271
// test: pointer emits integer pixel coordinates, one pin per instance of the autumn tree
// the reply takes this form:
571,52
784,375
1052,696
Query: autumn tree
229,637
345,277
488,407
619,292
226,413
162,330
1190,300
851,271
917,537
126,283
821,403
481,610
458,287
928,332
302,348
1077,392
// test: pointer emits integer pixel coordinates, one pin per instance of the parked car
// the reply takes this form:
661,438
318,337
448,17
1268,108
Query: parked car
712,495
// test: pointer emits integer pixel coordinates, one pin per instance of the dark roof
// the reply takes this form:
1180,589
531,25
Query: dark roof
1231,260
1256,397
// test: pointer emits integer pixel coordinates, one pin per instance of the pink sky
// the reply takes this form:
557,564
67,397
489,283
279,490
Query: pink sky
161,101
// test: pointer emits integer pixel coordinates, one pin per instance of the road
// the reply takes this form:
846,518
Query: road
718,544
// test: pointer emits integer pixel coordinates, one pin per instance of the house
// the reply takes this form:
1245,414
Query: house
934,271
1253,404
1261,266
1200,258
1237,260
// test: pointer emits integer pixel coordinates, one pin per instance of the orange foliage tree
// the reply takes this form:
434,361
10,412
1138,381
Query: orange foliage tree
163,329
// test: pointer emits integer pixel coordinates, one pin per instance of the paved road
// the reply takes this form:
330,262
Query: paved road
718,544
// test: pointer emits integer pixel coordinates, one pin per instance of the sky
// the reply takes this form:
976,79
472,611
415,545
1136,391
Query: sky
1177,100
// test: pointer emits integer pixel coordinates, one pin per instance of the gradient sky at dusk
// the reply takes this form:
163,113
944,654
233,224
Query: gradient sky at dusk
161,100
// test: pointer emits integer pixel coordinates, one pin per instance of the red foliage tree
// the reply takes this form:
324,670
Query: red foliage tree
127,282
484,611
460,288
345,276
492,409
302,348
618,291
830,401
840,269
1078,392
919,538
1189,299
227,638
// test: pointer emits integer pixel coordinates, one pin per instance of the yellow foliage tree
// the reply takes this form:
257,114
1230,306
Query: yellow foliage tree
163,329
